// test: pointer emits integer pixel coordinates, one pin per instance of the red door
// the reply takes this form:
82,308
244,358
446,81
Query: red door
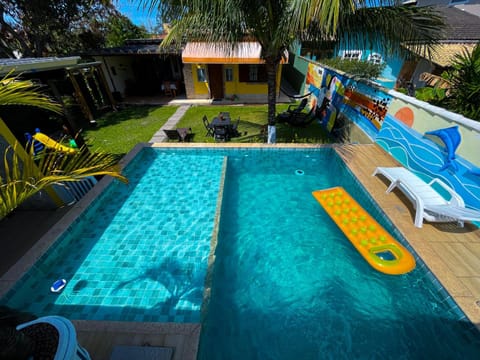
215,79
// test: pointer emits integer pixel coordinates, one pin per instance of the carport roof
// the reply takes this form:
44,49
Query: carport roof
27,65
136,47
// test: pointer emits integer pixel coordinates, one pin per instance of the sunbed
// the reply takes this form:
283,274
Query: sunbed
428,203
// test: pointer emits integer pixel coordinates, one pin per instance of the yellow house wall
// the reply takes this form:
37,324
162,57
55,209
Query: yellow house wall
234,87
199,87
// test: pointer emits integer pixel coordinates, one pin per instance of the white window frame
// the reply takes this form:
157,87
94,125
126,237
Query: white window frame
201,74
228,74
375,58
352,54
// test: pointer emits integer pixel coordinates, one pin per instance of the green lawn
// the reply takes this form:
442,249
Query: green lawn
253,119
118,132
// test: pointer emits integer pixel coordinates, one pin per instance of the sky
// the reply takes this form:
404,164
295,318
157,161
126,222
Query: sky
137,15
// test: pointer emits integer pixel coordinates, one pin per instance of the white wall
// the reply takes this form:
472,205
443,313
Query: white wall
117,69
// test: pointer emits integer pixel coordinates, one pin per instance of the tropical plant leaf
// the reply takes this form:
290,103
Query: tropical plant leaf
15,91
23,179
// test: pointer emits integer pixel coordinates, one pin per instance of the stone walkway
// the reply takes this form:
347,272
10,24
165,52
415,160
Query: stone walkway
171,123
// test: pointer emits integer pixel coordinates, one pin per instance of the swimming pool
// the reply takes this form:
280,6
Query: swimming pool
286,284
139,252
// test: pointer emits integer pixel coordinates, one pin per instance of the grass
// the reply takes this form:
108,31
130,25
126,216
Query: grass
118,132
253,119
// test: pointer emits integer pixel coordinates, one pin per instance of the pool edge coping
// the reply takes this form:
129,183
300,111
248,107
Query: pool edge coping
14,274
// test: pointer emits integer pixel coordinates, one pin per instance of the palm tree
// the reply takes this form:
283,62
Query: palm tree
459,85
276,24
24,175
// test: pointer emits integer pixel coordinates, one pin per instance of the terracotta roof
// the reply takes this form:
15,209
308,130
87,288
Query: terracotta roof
222,53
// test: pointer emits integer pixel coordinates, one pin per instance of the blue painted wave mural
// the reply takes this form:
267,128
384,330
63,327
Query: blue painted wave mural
427,159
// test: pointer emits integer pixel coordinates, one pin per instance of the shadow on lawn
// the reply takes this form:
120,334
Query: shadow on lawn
258,133
126,113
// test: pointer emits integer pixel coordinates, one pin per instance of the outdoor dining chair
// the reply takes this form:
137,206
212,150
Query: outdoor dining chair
180,134
207,126
221,133
234,128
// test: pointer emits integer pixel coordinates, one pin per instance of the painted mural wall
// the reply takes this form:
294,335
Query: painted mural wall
434,143
430,141
335,95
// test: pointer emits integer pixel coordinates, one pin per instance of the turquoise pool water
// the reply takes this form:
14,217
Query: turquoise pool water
286,283
139,253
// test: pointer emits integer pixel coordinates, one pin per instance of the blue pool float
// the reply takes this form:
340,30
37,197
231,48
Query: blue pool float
58,285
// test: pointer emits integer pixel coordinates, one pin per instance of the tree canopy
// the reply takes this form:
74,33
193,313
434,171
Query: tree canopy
276,24
61,27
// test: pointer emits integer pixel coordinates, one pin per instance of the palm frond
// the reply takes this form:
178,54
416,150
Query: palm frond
379,27
23,179
14,91
435,81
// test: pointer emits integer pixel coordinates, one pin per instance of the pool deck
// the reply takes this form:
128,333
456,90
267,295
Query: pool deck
451,253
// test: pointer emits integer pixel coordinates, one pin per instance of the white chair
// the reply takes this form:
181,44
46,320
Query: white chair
428,203
68,348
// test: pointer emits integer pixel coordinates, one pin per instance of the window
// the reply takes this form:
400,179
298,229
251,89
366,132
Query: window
201,77
228,74
352,55
375,58
252,73
456,2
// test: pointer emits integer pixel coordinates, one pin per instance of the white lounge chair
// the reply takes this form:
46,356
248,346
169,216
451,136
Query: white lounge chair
429,204
68,348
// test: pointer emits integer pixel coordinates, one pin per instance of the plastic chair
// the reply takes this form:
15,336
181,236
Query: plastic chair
68,347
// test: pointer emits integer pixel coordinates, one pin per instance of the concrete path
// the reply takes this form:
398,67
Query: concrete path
171,123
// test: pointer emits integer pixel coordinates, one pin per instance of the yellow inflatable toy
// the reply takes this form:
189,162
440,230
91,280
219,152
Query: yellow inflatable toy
372,241
52,144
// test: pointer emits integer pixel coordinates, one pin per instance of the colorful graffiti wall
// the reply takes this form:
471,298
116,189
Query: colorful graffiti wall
333,94
429,141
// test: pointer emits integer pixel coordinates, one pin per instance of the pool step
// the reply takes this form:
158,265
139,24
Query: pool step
141,353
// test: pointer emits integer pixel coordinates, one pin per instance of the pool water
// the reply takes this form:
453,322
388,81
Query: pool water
139,253
286,283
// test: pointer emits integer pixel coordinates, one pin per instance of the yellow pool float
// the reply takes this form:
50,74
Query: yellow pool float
372,241
50,143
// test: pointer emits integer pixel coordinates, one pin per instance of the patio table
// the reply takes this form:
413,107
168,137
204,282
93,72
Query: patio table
221,128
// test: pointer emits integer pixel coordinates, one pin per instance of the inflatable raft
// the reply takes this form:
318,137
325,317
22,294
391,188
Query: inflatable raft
372,241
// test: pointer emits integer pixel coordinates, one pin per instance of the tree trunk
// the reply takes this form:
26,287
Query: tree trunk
272,99
272,89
